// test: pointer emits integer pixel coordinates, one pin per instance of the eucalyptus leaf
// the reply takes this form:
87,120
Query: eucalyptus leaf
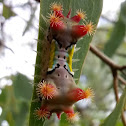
118,33
123,12
22,87
111,120
3,97
20,117
93,10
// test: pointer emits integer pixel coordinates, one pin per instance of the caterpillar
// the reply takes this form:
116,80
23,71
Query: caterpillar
58,91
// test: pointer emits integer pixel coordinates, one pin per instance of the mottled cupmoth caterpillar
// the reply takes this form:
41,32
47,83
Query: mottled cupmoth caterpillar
57,90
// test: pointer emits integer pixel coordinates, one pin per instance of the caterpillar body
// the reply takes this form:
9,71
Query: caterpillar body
60,57
57,90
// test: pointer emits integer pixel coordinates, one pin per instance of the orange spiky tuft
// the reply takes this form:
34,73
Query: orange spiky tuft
72,117
54,19
81,14
56,22
89,93
56,6
81,30
90,28
46,90
42,113
79,94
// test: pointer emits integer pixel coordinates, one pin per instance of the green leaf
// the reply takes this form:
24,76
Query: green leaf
20,116
118,33
113,117
3,97
8,104
64,121
119,123
123,12
9,118
22,87
93,10
7,12
15,110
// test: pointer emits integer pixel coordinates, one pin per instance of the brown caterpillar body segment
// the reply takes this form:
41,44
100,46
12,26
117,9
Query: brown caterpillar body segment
58,89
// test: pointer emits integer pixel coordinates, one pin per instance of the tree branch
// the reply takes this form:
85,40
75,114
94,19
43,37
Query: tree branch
106,59
122,80
115,84
37,0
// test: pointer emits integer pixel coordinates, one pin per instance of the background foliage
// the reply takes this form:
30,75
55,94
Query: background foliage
110,38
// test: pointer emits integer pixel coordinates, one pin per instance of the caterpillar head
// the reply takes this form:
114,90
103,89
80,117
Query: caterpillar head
65,29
